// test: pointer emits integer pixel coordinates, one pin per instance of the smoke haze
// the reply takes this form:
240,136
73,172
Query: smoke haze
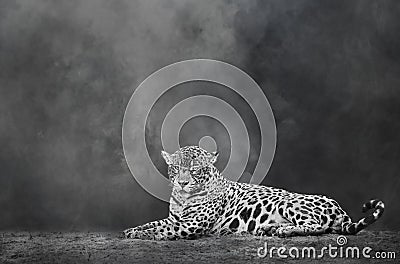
330,70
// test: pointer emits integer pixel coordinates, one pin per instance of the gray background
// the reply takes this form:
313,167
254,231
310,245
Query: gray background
330,69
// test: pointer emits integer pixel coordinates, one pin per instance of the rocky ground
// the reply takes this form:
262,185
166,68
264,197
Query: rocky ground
97,247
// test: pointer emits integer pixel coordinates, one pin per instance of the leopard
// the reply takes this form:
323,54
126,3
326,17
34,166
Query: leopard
204,203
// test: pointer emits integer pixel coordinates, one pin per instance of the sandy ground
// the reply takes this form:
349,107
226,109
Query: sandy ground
97,247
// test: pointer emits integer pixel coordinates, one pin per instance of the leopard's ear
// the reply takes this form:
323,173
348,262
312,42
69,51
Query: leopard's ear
167,157
214,156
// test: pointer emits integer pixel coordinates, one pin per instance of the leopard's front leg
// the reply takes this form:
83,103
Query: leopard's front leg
187,226
156,230
145,226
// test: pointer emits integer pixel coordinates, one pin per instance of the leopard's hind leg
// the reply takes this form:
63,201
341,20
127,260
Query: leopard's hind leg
309,229
307,218
270,229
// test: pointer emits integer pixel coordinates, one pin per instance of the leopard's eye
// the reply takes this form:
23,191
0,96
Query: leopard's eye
174,169
195,170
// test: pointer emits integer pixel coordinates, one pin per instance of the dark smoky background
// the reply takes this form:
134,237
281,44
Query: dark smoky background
330,70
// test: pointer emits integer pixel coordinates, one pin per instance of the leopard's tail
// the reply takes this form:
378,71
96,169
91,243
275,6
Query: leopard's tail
351,228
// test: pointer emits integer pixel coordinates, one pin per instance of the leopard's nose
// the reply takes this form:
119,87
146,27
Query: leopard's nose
183,183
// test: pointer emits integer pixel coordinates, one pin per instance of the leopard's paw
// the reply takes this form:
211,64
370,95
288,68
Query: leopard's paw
268,230
283,231
129,233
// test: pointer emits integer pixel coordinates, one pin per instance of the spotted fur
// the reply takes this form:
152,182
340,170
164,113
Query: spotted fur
204,202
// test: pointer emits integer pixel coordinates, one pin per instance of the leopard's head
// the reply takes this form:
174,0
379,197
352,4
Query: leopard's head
190,169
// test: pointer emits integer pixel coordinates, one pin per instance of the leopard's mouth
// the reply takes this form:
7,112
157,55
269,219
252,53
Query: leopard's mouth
183,192
188,194
203,193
